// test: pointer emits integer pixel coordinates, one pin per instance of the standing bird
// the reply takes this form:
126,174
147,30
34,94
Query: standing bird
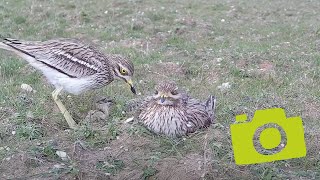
174,113
72,66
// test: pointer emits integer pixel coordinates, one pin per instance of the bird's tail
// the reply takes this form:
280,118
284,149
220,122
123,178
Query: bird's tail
17,47
10,44
211,105
5,46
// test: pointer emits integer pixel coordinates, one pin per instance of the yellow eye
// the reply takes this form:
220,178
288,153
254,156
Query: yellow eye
123,71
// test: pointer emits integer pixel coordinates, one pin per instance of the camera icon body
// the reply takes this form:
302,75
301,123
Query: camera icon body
242,136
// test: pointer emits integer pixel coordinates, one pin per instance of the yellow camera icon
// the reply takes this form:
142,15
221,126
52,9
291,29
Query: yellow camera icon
280,137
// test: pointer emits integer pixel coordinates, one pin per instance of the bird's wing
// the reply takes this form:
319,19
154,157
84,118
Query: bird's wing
67,56
197,114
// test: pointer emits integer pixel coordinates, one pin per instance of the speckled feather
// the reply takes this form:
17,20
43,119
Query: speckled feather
186,116
72,59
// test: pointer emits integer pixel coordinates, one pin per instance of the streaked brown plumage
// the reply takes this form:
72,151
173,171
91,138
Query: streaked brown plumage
72,66
174,113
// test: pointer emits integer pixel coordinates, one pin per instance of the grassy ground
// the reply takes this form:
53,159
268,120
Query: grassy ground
267,50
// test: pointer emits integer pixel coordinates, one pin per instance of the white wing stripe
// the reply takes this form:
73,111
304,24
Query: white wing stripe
74,59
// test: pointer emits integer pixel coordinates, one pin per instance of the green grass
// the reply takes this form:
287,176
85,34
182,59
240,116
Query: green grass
111,166
280,37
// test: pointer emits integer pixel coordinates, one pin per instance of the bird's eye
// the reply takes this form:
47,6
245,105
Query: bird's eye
174,92
123,71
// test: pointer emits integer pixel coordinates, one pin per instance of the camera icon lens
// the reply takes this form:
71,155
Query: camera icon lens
270,136
269,139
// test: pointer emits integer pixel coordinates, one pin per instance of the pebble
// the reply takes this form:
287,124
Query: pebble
106,148
62,155
224,86
129,120
59,166
219,59
26,87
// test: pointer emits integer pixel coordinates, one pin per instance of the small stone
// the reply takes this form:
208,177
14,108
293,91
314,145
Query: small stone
224,86
7,148
59,166
13,132
62,155
8,158
1,148
106,148
219,59
26,87
223,20
129,120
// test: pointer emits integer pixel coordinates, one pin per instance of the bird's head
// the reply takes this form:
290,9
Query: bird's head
166,93
123,69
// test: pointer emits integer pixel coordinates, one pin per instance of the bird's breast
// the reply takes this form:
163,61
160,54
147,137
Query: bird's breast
165,119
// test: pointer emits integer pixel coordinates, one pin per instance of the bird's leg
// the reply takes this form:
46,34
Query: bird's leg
72,124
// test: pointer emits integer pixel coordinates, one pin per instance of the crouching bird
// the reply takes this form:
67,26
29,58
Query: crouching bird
72,66
174,113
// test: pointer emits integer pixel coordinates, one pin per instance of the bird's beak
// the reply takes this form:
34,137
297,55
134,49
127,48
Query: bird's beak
133,90
162,99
